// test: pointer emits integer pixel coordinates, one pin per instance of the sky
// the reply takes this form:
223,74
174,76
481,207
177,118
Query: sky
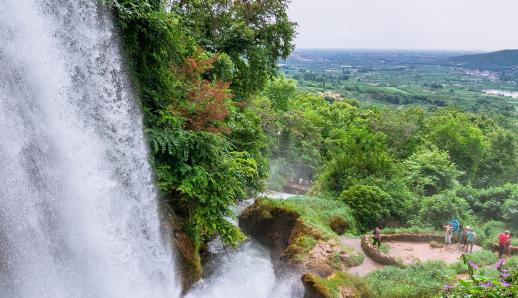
478,25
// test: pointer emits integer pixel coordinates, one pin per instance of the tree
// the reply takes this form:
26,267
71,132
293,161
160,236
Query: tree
436,210
280,91
500,163
254,33
370,204
430,171
357,156
455,132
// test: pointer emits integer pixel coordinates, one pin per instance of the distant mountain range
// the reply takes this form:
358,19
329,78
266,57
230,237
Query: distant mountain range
500,60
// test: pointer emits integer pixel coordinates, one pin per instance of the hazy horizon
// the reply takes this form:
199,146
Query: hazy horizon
440,25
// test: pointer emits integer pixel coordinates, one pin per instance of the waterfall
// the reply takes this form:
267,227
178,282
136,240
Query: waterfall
78,210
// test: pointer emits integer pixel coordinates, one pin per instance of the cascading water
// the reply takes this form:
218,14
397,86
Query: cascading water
78,215
247,271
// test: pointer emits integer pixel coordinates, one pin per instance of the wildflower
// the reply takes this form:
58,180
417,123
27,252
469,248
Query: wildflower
447,287
505,284
486,284
472,264
504,273
500,263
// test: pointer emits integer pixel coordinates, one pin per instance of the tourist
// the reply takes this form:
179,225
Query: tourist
465,237
470,239
503,240
377,235
448,230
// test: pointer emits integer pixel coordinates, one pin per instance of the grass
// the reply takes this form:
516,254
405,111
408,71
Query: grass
317,215
512,261
384,248
412,230
414,281
481,258
330,287
317,212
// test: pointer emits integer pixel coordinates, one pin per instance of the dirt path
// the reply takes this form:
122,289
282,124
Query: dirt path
408,252
368,265
412,252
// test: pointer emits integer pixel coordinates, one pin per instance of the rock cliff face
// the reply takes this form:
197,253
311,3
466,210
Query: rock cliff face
189,261
303,247
294,242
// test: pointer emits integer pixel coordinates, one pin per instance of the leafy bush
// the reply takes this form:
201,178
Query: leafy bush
492,203
436,210
369,204
430,171
413,281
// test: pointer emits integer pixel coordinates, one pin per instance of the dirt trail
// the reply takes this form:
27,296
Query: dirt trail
412,252
368,265
408,252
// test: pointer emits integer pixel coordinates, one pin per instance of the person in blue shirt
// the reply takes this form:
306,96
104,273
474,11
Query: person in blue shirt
470,239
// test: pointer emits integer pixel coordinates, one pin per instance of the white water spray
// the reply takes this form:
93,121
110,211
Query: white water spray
78,210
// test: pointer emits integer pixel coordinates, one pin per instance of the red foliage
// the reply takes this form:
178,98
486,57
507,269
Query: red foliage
205,108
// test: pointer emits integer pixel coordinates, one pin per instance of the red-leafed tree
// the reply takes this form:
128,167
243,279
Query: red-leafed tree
205,108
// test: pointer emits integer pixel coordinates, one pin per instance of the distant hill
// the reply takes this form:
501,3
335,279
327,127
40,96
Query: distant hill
504,59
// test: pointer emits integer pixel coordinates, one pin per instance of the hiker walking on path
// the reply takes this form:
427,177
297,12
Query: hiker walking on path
470,239
448,231
377,235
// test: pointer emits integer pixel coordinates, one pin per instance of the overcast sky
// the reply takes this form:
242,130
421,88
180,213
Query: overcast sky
407,24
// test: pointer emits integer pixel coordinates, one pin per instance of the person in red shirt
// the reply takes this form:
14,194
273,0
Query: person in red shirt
503,238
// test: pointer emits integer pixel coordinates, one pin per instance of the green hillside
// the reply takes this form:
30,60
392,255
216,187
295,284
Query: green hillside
492,61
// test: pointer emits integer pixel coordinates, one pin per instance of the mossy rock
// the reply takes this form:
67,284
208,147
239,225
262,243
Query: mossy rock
189,260
338,285
338,225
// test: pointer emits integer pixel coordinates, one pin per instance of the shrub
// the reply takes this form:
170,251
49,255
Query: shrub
438,209
369,204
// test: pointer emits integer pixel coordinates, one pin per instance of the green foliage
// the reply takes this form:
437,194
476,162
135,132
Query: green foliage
370,204
500,163
436,210
413,230
330,287
403,129
206,152
254,34
484,282
280,91
317,212
207,178
358,157
457,134
490,203
417,280
430,171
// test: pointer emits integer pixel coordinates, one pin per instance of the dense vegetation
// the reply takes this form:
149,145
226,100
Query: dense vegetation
196,66
222,123
405,166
